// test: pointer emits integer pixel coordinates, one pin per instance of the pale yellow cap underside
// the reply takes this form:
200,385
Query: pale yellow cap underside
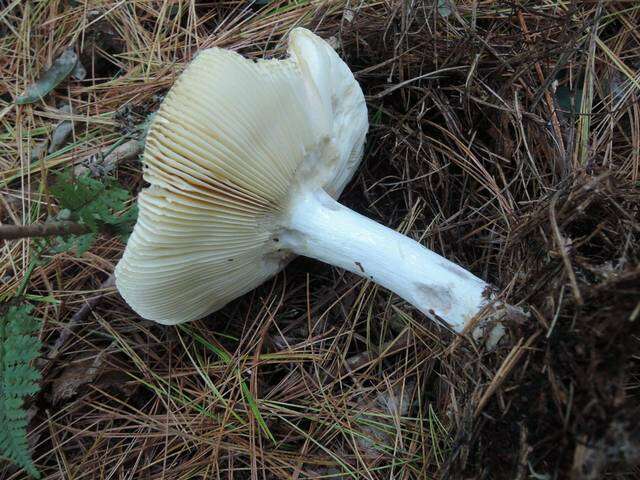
221,154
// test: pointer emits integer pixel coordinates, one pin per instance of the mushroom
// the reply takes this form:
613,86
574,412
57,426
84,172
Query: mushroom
245,160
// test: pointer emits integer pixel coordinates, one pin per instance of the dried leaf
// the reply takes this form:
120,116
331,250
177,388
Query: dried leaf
445,8
79,72
75,376
51,78
62,131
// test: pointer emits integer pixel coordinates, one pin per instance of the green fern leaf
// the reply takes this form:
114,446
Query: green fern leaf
99,204
18,379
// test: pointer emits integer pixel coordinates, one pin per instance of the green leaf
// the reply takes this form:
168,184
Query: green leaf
18,378
99,204
83,242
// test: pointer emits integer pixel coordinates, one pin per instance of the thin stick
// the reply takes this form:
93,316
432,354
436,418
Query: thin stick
563,250
547,96
503,372
79,317
14,232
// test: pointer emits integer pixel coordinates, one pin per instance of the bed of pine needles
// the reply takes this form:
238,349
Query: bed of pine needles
504,135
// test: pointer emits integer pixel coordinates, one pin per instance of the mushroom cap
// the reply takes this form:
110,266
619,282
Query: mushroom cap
231,141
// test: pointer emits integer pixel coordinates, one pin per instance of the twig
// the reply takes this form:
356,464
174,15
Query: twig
501,375
109,158
79,317
547,96
562,247
13,232
390,347
523,456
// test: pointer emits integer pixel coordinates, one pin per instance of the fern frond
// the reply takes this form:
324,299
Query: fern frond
18,379
101,205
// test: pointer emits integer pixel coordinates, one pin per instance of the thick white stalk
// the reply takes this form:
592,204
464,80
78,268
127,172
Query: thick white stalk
321,228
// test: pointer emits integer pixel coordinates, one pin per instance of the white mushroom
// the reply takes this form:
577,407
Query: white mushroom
245,159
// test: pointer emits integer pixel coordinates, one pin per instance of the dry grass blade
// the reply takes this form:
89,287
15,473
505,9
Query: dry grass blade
504,135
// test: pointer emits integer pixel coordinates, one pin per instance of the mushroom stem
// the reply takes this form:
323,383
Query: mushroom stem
321,228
